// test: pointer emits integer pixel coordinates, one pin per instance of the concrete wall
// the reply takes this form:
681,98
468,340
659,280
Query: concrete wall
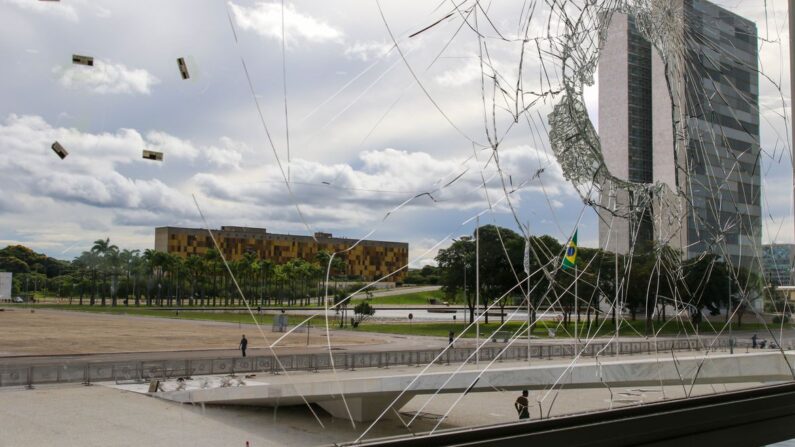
670,212
5,285
614,129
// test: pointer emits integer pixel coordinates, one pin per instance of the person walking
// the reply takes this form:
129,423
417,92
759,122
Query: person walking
753,341
522,406
450,338
243,345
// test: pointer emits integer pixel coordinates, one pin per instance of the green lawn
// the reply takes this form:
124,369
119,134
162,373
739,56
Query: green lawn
241,317
420,298
628,329
437,329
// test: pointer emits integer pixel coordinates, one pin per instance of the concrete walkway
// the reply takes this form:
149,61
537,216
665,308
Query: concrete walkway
369,392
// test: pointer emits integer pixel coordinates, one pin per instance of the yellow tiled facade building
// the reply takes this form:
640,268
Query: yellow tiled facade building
370,260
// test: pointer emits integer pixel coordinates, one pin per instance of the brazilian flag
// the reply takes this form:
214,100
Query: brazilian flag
571,253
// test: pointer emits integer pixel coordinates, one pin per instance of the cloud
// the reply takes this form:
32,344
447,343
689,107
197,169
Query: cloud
229,154
468,69
368,50
461,75
104,170
265,19
57,9
106,78
360,193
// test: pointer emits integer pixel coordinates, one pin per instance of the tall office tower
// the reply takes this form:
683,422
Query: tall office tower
625,128
691,122
791,8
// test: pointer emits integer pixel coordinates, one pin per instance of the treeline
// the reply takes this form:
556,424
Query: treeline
107,275
427,275
645,283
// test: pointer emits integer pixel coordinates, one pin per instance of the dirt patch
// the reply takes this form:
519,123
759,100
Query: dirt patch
48,332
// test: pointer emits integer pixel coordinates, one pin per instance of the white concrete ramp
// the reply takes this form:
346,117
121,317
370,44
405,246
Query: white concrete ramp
368,392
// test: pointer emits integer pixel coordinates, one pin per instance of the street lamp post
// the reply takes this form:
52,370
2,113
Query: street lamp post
477,290
465,283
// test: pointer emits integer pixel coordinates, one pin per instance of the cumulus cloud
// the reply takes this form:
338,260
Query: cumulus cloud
265,19
366,51
105,170
460,75
470,70
364,190
57,9
106,78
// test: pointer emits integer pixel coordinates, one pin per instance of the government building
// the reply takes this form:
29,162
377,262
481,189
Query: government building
713,159
369,260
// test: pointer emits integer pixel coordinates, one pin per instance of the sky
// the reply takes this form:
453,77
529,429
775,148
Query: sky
367,135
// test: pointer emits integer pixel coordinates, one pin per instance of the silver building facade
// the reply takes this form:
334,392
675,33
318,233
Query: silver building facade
692,124
777,262
5,285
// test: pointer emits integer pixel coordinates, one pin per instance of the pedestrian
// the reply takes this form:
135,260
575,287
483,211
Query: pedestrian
522,406
762,344
243,345
450,338
753,341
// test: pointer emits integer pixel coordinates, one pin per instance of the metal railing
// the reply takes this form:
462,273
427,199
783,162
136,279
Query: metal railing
144,370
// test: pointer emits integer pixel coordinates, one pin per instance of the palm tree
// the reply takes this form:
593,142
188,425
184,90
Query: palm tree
84,264
127,259
112,261
155,262
90,264
278,277
213,260
248,268
195,266
176,271
266,272
103,249
323,257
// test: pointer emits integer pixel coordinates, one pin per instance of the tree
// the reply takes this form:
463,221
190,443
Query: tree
746,288
341,301
361,312
14,265
128,260
104,252
214,263
703,283
501,259
266,271
456,265
195,267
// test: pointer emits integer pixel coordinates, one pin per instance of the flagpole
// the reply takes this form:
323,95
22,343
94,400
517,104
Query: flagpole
616,306
477,290
569,261
527,272
576,307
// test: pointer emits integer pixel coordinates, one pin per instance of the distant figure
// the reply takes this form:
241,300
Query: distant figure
450,338
243,345
522,406
259,309
762,344
753,341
